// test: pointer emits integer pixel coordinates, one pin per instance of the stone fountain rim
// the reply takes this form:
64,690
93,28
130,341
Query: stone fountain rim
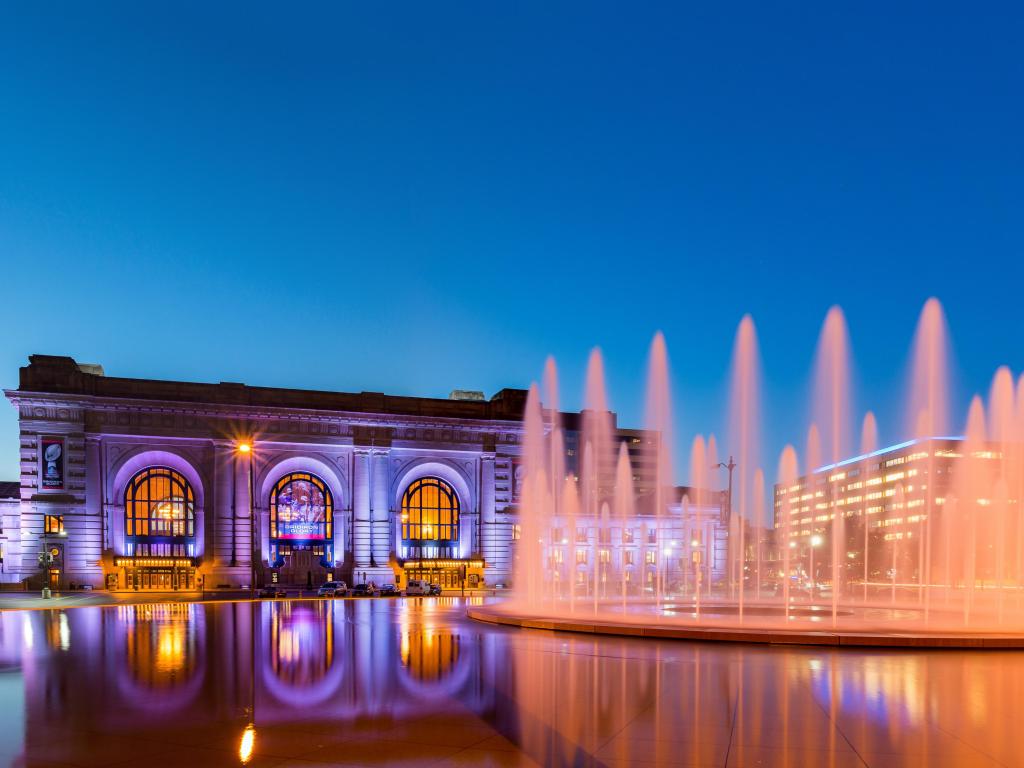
723,634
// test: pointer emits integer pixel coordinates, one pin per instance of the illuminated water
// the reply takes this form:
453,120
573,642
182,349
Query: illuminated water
398,682
940,550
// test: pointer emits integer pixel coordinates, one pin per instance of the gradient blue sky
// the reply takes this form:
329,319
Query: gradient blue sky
414,197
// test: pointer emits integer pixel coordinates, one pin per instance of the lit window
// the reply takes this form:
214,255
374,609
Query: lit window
430,511
54,524
159,502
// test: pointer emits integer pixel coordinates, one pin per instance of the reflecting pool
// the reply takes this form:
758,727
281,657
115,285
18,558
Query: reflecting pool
412,682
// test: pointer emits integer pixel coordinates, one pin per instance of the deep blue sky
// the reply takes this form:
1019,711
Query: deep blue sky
418,197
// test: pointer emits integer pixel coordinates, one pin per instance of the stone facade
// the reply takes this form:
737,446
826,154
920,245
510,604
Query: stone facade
367,448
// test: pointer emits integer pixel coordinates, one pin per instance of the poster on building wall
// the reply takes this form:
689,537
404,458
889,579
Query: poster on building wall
52,459
301,511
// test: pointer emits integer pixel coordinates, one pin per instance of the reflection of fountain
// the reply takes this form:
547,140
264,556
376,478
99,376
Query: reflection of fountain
927,536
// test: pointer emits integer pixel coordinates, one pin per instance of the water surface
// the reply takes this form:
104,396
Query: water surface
413,682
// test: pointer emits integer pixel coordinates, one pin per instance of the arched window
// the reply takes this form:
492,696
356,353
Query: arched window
430,511
159,504
301,508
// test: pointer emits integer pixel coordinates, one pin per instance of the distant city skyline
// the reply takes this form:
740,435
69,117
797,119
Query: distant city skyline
426,199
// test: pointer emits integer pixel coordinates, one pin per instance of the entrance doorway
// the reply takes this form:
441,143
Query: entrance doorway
54,578
447,578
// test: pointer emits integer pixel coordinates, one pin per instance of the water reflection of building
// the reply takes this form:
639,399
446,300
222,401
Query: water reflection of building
141,485
160,643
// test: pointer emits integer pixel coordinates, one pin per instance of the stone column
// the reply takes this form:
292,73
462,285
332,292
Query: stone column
94,489
361,525
380,515
491,545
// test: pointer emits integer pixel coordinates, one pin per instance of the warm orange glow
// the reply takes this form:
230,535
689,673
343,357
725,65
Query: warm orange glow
248,742
244,447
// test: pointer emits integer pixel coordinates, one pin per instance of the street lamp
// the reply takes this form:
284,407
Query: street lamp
730,466
245,448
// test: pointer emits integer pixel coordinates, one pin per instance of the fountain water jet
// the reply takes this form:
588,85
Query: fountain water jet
960,494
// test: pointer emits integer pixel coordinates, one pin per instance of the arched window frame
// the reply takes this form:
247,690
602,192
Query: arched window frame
321,486
430,511
143,495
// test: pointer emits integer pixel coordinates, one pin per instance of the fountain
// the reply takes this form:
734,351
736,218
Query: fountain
921,543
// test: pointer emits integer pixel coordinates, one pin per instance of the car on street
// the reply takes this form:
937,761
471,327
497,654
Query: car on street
332,589
389,590
272,591
435,589
365,590
417,588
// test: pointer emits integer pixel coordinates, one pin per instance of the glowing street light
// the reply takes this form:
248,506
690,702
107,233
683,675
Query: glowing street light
245,448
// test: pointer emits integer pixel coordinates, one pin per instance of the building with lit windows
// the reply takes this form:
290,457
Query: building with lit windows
885,499
135,484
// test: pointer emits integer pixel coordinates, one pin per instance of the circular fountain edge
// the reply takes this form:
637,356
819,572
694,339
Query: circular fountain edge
722,634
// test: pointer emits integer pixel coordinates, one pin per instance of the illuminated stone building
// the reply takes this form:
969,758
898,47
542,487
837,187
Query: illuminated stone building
144,484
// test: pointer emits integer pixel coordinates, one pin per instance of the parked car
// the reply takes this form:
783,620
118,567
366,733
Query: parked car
389,590
332,589
435,589
365,590
417,588
272,591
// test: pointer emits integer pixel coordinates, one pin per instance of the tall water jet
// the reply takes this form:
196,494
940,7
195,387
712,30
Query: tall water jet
927,411
571,512
700,478
598,454
971,494
625,506
1002,435
787,475
556,469
744,432
1017,484
529,561
658,420
759,518
928,390
831,412
868,445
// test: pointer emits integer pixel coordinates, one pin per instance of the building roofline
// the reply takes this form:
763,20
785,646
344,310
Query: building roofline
55,375
881,451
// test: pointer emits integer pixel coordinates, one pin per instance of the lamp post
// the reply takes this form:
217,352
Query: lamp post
730,466
246,450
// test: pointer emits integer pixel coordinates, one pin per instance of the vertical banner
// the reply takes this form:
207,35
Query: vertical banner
51,453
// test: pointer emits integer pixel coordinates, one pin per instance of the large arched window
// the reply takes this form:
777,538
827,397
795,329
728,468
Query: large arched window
160,513
430,511
301,518
301,508
159,504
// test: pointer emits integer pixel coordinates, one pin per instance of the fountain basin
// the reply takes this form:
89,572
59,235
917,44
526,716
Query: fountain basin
735,633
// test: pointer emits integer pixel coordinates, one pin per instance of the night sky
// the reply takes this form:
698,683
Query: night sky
418,197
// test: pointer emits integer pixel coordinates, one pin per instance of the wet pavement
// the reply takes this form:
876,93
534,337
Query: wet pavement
414,682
